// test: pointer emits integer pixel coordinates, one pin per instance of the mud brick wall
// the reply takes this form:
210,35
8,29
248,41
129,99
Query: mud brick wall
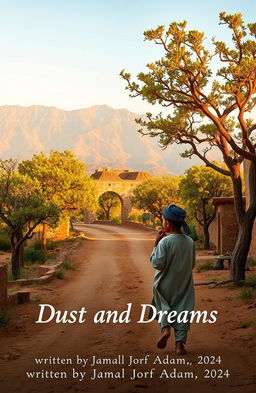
252,251
228,228
224,229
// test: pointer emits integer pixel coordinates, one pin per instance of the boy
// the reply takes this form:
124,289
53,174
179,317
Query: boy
173,289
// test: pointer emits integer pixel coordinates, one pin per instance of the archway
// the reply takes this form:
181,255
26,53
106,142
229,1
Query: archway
111,207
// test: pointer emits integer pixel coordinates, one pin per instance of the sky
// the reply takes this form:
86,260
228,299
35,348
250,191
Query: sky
68,54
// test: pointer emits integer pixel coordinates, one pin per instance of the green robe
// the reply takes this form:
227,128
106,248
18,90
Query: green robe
173,289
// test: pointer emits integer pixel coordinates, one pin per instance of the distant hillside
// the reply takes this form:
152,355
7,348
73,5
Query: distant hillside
100,136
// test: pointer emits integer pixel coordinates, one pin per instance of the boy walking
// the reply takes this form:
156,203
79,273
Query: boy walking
174,258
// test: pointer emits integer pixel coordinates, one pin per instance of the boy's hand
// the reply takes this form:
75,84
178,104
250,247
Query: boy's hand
159,236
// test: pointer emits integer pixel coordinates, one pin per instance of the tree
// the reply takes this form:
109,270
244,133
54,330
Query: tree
22,209
154,194
108,202
210,110
197,189
63,180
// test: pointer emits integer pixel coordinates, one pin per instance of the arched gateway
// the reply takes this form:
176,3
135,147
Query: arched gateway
120,182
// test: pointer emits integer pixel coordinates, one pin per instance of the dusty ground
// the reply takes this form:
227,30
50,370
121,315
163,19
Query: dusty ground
112,269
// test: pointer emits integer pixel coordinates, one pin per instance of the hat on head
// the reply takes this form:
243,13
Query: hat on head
176,214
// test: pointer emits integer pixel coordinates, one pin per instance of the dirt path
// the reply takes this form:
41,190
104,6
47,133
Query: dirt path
113,271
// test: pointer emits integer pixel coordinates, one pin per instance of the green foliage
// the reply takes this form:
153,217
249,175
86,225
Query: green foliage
32,254
197,189
154,194
251,281
207,111
133,217
116,220
67,265
193,233
5,244
24,274
246,293
63,180
251,262
5,317
204,267
60,273
146,217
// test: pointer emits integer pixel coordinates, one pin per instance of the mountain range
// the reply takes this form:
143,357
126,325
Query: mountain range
100,136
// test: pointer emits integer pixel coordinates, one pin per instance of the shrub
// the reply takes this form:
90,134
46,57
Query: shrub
5,317
246,293
204,266
251,280
5,244
60,274
193,233
116,220
133,217
67,265
34,255
251,262
51,245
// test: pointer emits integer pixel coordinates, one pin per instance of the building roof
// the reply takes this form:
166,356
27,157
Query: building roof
120,175
224,200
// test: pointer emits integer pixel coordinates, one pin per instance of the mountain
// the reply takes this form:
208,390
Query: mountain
100,136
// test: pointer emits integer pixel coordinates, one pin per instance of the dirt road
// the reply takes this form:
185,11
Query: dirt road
113,271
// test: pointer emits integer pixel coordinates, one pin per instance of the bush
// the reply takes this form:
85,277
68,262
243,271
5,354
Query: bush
5,244
204,266
5,317
60,274
67,265
251,262
193,233
133,217
116,220
246,293
34,255
51,245
251,281
38,245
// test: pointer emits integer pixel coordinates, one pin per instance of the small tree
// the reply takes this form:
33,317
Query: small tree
22,209
154,194
63,180
209,111
108,203
197,189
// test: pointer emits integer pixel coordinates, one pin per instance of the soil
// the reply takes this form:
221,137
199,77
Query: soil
112,271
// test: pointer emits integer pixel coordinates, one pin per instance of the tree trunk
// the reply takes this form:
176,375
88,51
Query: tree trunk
16,262
19,237
44,237
206,237
240,252
71,225
245,220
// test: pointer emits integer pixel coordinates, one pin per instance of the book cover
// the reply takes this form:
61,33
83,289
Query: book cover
84,256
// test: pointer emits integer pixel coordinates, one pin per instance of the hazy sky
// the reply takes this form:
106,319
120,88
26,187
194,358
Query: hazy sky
69,54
